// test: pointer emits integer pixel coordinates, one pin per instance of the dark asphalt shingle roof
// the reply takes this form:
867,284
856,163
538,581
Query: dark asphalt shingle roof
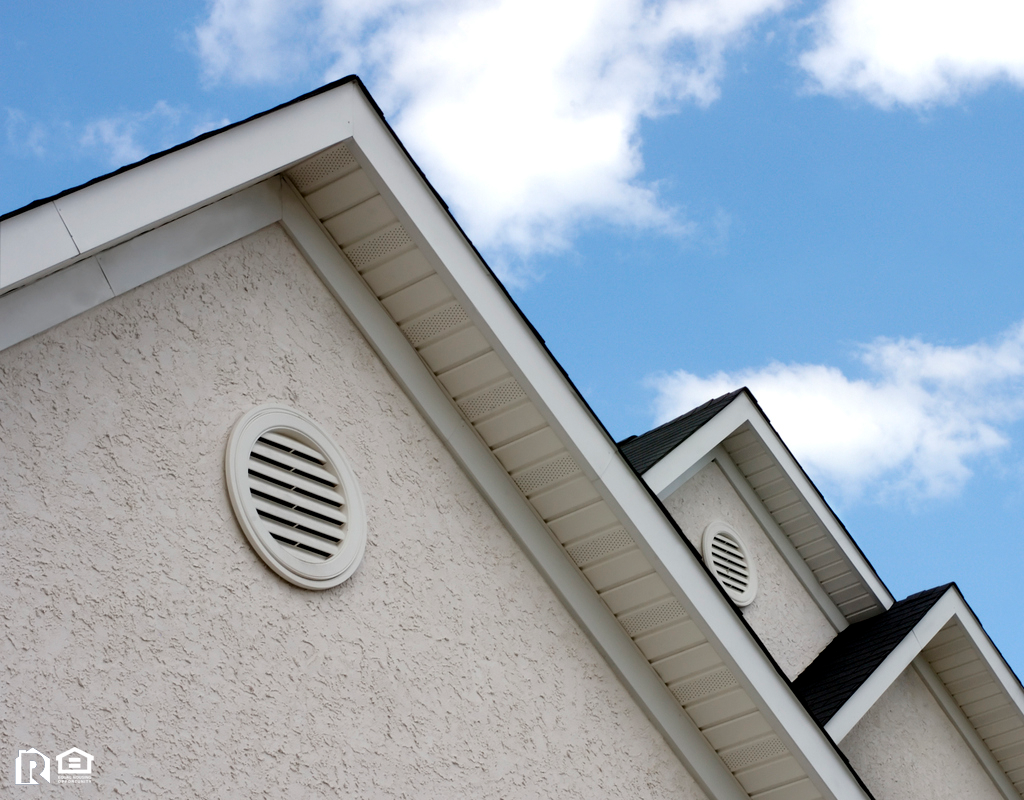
646,450
850,659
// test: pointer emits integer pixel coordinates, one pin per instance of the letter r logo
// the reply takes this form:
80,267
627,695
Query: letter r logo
30,763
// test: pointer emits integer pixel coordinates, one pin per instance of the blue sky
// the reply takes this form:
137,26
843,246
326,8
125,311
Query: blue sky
823,200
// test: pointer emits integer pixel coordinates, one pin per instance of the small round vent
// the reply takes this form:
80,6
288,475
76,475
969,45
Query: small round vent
295,497
727,557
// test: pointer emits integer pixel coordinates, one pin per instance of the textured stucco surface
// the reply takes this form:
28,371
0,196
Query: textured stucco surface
783,614
905,748
141,627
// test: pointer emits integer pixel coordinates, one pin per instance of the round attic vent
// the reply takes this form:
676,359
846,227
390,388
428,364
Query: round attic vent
295,497
726,555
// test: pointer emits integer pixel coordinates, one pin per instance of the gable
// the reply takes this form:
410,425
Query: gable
733,431
147,613
398,266
785,617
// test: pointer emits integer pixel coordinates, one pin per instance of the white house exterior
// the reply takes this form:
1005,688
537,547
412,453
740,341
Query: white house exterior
537,611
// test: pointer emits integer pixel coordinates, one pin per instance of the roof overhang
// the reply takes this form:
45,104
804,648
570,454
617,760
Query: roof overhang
784,500
967,675
330,171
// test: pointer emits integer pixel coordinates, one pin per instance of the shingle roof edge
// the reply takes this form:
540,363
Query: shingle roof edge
851,658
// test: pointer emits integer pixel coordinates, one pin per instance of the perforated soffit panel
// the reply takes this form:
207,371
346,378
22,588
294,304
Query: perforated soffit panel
342,196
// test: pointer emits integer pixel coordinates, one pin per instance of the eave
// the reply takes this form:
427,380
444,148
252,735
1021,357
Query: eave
338,181
946,645
816,545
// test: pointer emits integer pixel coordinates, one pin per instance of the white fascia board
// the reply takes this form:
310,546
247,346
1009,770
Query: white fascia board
33,242
126,204
441,241
981,641
893,666
674,469
491,479
61,295
835,528
966,730
950,606
778,537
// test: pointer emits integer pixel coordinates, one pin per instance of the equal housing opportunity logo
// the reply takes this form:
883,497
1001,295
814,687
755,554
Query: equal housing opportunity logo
33,767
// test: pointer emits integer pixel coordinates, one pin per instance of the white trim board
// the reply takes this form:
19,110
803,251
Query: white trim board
458,265
121,206
950,607
489,476
61,295
675,468
505,330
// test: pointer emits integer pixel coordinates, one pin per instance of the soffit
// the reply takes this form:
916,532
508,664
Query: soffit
636,584
937,632
667,454
501,411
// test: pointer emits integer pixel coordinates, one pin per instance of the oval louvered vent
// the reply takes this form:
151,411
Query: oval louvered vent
295,497
726,556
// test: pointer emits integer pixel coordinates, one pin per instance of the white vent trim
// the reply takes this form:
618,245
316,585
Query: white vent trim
726,555
295,497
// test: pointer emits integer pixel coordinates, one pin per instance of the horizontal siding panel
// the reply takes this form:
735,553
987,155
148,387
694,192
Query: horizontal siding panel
567,497
454,350
341,194
529,450
778,773
757,464
737,731
763,477
635,594
360,221
474,375
730,705
403,270
957,659
782,499
509,425
417,299
976,709
1010,723
745,452
618,569
687,663
962,684
1008,751
679,636
743,437
593,518
974,695
801,790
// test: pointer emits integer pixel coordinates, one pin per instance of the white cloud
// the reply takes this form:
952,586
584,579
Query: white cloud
132,135
912,427
24,134
915,52
525,113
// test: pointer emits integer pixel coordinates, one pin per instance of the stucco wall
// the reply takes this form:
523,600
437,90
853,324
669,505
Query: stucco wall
783,614
141,627
905,748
